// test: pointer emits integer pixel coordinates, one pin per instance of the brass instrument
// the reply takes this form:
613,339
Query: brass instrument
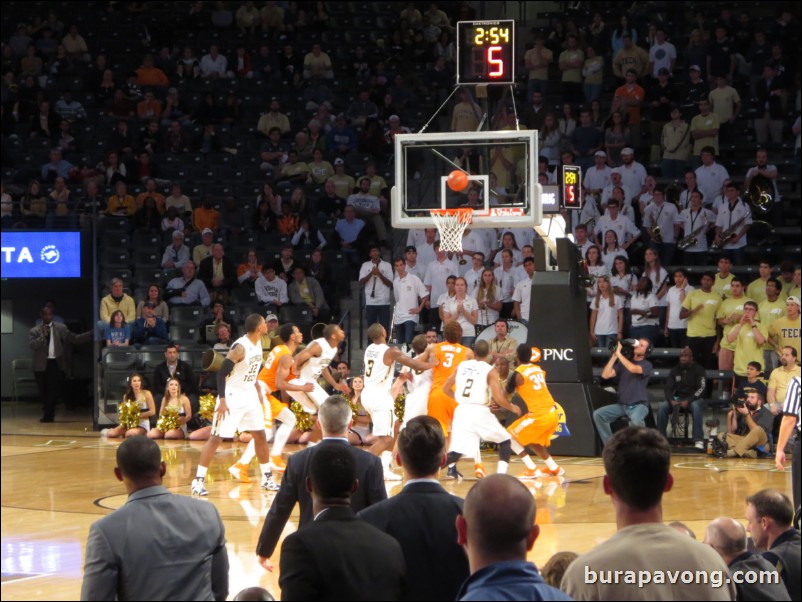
728,234
760,194
656,235
692,238
212,361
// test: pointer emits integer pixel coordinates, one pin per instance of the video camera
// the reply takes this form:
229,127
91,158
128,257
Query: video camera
628,347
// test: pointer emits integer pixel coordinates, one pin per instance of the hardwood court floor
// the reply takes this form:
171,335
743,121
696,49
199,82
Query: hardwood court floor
57,480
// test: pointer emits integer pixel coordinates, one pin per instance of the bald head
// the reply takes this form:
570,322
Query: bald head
727,537
494,535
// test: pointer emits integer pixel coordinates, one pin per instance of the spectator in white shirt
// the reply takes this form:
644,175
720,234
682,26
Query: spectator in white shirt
625,196
633,174
473,241
695,221
612,250
581,240
624,227
710,175
410,300
522,294
214,65
376,276
474,274
507,277
435,280
176,254
662,54
734,212
645,311
599,176
413,266
606,315
488,298
660,220
464,309
425,249
271,290
676,328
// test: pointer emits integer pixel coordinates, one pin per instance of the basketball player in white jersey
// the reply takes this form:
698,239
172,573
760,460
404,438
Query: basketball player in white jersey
418,382
380,361
312,363
473,421
239,403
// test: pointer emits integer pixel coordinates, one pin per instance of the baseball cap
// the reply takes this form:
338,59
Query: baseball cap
793,299
172,91
662,71
410,248
600,153
394,118
695,68
271,317
178,234
339,161
206,231
627,151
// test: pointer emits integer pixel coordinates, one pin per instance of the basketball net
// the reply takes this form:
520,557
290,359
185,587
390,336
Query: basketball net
451,224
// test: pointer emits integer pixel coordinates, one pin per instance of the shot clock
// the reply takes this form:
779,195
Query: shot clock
486,52
571,186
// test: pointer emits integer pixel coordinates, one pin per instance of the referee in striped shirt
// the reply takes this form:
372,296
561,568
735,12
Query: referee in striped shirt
791,421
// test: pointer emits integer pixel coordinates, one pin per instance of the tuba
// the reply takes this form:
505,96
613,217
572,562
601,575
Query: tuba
760,194
212,361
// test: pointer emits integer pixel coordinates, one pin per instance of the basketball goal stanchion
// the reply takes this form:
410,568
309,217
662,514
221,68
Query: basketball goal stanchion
451,223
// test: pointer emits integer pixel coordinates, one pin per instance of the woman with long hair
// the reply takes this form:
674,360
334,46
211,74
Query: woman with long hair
273,199
175,400
616,137
464,310
147,408
488,298
250,270
660,281
118,333
612,250
566,124
263,219
606,315
33,205
595,267
624,28
154,295
549,139
509,243
644,310
308,237
624,283
360,431
696,52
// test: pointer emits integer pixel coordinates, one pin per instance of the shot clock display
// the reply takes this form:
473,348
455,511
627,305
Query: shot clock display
485,52
571,186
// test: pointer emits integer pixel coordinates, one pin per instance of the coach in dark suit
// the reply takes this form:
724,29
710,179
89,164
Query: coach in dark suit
337,556
158,546
335,420
422,518
51,342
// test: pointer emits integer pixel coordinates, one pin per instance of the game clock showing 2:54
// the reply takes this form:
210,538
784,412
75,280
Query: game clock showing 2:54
485,52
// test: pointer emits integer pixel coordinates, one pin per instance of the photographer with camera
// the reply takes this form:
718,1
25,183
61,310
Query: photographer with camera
629,364
748,427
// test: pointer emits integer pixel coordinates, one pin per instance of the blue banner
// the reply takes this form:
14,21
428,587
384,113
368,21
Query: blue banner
41,254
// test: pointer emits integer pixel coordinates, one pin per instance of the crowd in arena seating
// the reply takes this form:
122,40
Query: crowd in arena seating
271,145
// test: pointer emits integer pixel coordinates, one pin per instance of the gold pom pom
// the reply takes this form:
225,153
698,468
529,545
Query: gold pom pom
128,414
304,420
207,403
168,420
400,405
350,399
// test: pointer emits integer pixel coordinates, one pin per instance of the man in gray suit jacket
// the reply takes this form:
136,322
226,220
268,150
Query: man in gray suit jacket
335,421
158,546
422,518
51,342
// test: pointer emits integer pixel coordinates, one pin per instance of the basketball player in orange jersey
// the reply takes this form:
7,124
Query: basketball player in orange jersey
449,354
535,428
274,377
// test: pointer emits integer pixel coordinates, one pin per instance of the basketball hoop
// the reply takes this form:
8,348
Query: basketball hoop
451,224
